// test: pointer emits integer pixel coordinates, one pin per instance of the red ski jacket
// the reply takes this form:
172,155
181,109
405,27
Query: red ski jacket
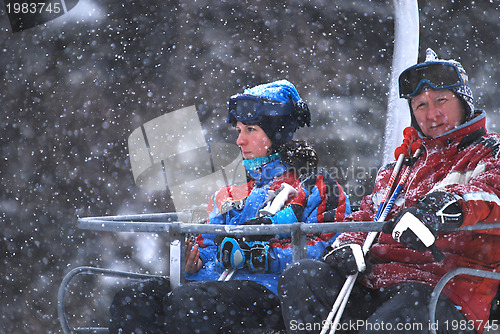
465,162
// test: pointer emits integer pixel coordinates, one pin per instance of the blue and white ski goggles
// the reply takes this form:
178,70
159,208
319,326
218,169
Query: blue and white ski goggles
437,75
244,108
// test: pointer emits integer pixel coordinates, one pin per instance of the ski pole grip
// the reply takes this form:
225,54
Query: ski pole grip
416,145
410,133
410,137
402,149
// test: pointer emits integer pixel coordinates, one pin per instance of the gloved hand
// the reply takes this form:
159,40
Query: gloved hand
232,253
259,221
348,258
260,256
416,227
235,253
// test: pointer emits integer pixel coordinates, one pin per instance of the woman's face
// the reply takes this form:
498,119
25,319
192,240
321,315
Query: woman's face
252,140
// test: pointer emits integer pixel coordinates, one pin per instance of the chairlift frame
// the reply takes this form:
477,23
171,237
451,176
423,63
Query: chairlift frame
178,225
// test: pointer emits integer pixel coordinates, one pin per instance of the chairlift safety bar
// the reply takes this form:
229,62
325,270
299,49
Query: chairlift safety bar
178,225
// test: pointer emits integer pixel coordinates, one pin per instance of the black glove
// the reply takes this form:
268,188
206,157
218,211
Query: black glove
232,253
416,227
259,221
348,258
237,253
260,256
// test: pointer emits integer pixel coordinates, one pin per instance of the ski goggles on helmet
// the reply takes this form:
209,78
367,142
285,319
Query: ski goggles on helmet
252,108
437,75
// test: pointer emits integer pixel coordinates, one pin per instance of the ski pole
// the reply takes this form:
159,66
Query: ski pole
341,299
349,283
400,153
227,274
387,192
366,246
343,295
371,237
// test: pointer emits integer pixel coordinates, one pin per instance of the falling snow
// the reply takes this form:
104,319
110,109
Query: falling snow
74,89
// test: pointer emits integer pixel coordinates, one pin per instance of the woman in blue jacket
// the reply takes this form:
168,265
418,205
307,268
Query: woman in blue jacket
266,118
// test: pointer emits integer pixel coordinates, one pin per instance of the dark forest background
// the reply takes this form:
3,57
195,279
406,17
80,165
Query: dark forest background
72,91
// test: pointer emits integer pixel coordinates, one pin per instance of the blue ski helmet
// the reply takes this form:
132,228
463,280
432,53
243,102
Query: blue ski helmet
276,107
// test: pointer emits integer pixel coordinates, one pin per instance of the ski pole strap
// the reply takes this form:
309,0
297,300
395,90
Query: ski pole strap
409,221
417,148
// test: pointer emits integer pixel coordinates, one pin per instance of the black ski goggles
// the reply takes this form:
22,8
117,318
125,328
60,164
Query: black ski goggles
252,108
437,75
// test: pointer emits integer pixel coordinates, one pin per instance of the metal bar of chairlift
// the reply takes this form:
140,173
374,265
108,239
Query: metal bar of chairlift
90,271
445,279
177,256
169,223
299,243
162,223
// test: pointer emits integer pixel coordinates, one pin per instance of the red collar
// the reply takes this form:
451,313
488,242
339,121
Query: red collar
456,135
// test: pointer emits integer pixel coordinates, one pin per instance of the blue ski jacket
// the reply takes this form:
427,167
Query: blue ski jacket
320,199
